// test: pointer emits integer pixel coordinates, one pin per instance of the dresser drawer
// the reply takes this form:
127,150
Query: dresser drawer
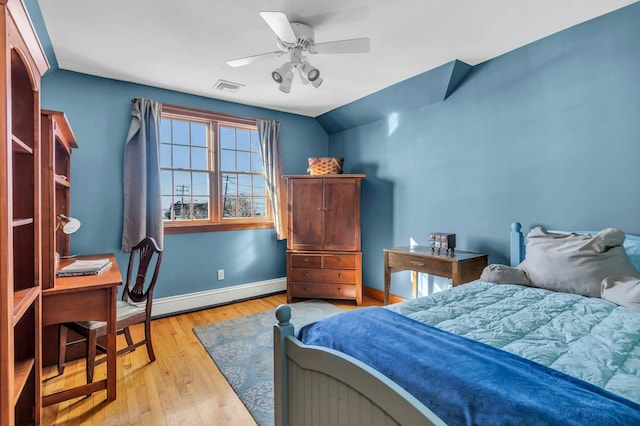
339,261
323,275
328,291
306,261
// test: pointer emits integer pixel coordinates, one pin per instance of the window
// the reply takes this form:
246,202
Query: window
211,172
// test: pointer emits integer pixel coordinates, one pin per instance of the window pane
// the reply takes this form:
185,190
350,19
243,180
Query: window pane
259,185
242,139
255,141
165,130
259,206
256,163
180,132
242,161
200,184
229,184
198,134
244,185
166,208
180,157
227,160
182,185
199,158
227,137
244,206
165,155
166,187
181,210
200,208
229,207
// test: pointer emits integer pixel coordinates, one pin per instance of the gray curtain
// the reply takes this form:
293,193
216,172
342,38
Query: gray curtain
269,132
142,202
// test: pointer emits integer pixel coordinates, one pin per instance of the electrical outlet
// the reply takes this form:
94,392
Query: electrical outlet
220,274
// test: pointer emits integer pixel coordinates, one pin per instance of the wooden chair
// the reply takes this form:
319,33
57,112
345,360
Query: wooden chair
134,308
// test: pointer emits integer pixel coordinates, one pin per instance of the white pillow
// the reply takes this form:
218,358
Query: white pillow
575,263
503,274
621,290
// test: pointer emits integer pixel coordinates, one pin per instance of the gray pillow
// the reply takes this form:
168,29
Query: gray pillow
575,263
622,290
503,274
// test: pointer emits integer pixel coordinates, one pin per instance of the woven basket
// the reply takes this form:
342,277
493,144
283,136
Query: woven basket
325,165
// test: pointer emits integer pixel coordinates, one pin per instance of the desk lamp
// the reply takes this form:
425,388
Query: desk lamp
69,226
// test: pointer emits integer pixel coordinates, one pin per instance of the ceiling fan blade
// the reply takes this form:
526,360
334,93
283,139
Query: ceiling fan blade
356,45
240,62
280,25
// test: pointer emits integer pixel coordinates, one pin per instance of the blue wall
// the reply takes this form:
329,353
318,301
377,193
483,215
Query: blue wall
99,113
546,134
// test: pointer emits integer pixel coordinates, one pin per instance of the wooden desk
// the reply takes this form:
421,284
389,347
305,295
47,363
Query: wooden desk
85,298
461,266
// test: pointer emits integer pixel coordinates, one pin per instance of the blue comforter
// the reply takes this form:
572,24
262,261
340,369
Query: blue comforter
464,381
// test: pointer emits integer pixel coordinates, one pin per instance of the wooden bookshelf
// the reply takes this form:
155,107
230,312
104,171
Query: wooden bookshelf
24,64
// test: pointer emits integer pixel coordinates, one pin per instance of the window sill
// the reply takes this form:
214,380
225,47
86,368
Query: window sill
190,227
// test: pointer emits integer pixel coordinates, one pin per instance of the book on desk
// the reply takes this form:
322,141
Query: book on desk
84,267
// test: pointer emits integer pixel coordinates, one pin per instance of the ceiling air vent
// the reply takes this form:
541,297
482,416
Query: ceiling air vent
227,86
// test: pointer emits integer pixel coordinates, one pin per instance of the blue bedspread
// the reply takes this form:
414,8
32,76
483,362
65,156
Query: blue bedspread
464,381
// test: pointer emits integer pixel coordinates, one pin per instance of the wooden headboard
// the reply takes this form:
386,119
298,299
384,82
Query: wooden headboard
517,244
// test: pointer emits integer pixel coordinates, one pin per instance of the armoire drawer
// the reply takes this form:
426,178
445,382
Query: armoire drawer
339,261
323,275
328,291
306,260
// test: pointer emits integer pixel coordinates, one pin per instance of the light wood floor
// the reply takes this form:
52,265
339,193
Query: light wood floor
182,387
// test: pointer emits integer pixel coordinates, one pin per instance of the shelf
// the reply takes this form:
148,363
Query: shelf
19,146
22,222
22,300
22,370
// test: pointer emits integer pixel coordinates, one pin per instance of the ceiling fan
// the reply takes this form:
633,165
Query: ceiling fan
296,39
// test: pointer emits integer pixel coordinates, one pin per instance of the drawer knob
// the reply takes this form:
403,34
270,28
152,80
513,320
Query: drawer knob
339,289
306,259
339,260
415,262
339,275
306,289
306,274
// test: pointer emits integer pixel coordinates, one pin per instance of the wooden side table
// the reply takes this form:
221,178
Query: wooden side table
460,266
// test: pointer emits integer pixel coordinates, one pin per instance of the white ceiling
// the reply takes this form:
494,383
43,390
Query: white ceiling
183,45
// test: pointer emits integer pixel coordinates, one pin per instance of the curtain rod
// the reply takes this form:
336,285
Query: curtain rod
207,111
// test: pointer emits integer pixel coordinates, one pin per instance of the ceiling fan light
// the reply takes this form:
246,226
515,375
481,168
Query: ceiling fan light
313,75
317,82
309,71
277,77
285,85
279,74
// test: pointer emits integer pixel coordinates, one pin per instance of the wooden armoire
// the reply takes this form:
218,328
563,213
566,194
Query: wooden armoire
324,258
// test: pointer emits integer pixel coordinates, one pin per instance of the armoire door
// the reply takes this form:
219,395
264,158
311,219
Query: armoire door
305,214
341,214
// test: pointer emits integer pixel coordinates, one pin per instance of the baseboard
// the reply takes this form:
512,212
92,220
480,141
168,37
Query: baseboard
172,305
378,295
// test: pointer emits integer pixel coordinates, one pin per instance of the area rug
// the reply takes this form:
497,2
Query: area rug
242,348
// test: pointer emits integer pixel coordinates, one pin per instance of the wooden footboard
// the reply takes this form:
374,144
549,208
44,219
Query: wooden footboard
320,386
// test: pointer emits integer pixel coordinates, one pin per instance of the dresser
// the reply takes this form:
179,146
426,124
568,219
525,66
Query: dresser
324,258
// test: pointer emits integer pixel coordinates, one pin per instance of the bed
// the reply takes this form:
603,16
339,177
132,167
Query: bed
502,351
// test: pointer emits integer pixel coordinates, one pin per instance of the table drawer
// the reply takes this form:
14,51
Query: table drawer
339,261
420,264
323,275
329,291
306,261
